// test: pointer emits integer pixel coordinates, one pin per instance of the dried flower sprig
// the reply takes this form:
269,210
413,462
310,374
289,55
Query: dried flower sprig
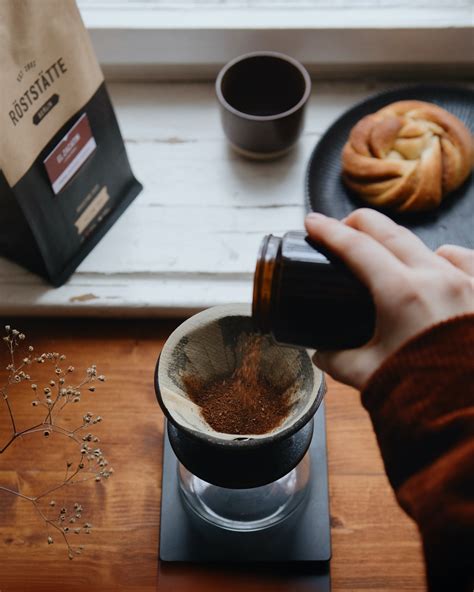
50,400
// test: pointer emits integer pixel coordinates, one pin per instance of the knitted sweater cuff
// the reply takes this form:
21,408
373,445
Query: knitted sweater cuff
414,392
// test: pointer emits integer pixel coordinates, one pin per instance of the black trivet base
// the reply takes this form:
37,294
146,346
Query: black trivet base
303,539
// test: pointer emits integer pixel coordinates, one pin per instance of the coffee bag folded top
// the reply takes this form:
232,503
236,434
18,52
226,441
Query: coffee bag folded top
64,173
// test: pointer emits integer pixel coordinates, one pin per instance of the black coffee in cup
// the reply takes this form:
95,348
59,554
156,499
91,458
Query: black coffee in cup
262,97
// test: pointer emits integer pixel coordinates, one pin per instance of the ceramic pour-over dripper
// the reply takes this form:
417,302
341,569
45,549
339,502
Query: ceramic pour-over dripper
209,346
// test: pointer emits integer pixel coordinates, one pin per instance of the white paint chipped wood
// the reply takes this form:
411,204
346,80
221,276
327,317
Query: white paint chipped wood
190,239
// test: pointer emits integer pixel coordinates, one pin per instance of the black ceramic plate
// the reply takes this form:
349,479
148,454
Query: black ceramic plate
452,222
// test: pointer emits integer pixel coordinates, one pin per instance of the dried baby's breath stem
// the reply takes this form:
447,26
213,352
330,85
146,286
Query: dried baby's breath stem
53,398
17,493
4,392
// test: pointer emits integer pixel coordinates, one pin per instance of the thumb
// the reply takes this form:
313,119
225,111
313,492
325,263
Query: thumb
348,366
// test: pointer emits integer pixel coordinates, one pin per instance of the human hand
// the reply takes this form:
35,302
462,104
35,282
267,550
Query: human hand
413,288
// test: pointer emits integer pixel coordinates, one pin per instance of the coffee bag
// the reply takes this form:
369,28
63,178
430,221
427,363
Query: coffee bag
64,173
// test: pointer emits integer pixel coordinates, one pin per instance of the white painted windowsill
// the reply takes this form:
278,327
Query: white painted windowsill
190,239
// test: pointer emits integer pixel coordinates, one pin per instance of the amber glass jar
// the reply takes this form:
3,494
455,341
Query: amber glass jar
304,298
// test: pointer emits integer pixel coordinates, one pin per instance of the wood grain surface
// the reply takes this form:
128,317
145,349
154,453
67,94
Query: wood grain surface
375,546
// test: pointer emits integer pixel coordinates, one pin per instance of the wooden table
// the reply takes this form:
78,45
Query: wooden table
375,546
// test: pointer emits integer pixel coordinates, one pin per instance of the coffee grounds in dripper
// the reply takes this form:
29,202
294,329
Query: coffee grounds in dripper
243,402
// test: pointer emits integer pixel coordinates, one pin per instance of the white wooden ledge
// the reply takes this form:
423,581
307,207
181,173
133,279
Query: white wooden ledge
190,239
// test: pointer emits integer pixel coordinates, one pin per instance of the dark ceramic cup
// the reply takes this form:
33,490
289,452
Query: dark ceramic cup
262,98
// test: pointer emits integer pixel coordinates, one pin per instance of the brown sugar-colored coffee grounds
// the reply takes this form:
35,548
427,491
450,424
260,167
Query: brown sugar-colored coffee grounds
243,402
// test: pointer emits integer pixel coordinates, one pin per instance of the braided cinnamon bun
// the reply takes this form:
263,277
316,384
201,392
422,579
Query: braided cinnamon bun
407,156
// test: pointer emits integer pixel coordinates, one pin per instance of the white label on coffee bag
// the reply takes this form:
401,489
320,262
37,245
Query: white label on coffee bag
92,210
70,154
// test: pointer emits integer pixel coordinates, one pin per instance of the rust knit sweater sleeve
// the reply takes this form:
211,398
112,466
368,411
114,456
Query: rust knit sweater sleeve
421,403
